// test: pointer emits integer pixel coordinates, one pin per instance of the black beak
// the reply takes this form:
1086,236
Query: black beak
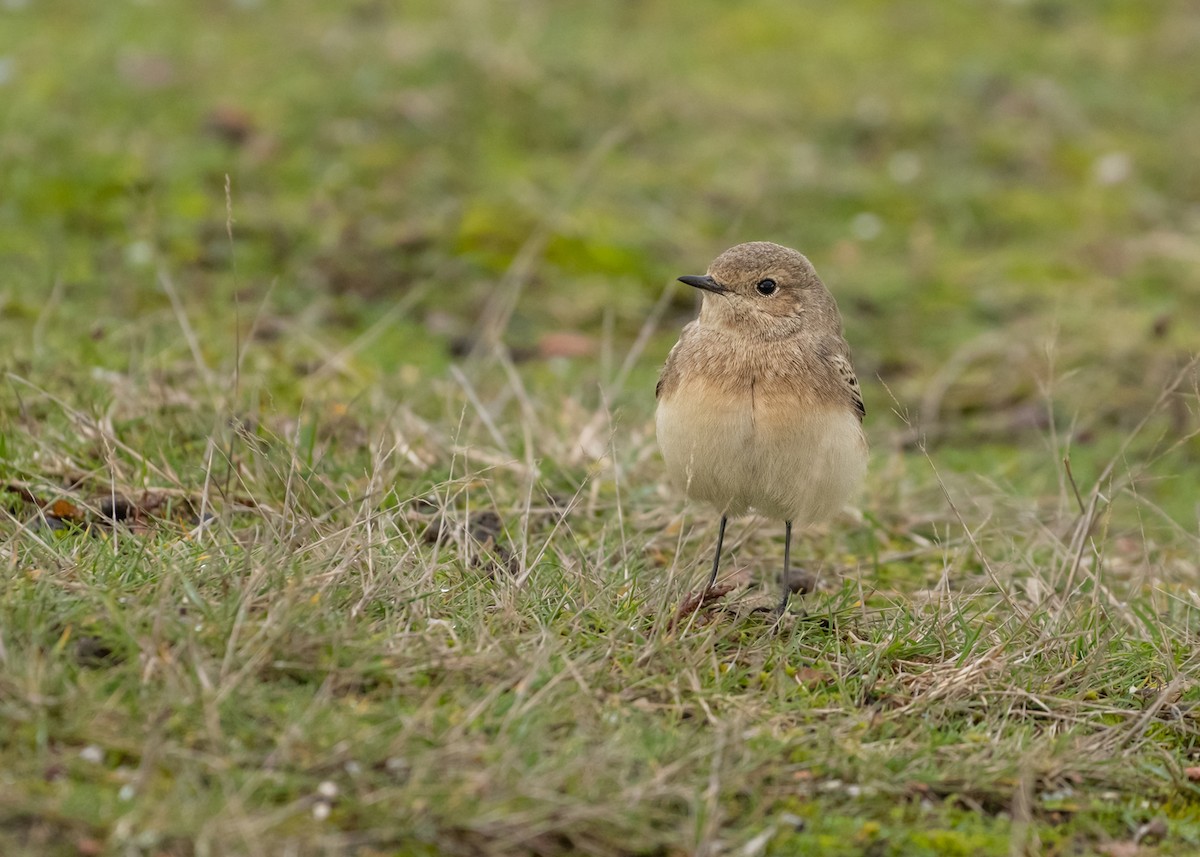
707,283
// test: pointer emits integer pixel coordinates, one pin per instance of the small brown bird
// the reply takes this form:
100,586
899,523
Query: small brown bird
758,405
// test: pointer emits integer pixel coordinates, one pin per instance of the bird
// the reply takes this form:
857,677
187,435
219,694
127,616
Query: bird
758,407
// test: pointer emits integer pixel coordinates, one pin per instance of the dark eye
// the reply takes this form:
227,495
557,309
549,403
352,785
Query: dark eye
766,287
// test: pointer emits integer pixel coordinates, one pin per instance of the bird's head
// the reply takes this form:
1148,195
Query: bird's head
764,289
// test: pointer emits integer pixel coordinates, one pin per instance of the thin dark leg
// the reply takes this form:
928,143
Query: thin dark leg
712,578
787,562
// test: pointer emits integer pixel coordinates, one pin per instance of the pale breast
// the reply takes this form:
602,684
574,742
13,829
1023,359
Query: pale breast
808,464
707,441
763,447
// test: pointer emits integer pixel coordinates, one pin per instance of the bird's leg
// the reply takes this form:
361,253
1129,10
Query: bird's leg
787,560
712,578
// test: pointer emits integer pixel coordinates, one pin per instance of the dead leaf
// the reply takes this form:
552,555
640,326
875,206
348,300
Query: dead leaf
810,677
103,509
919,790
658,557
231,124
23,492
147,72
566,343
66,510
696,601
89,847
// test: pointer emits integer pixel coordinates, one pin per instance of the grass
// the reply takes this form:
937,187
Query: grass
330,511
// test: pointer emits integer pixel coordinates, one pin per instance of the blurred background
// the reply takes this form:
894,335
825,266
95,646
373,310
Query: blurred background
1003,196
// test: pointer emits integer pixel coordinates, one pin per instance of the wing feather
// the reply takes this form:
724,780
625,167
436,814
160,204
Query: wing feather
668,379
845,371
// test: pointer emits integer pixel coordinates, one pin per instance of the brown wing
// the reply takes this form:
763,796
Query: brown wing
669,377
845,371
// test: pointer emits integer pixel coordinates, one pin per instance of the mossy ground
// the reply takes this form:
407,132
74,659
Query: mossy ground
351,313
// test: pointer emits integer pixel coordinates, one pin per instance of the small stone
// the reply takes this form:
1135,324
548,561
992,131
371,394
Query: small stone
92,753
904,167
1113,168
866,226
793,821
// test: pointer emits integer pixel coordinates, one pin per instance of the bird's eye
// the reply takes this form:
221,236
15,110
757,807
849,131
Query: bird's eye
766,287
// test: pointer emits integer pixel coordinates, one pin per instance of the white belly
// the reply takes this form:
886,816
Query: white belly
799,465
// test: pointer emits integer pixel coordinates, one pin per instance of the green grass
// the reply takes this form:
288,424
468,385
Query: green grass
394,576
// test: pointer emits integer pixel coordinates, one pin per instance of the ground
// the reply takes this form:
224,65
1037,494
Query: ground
331,517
